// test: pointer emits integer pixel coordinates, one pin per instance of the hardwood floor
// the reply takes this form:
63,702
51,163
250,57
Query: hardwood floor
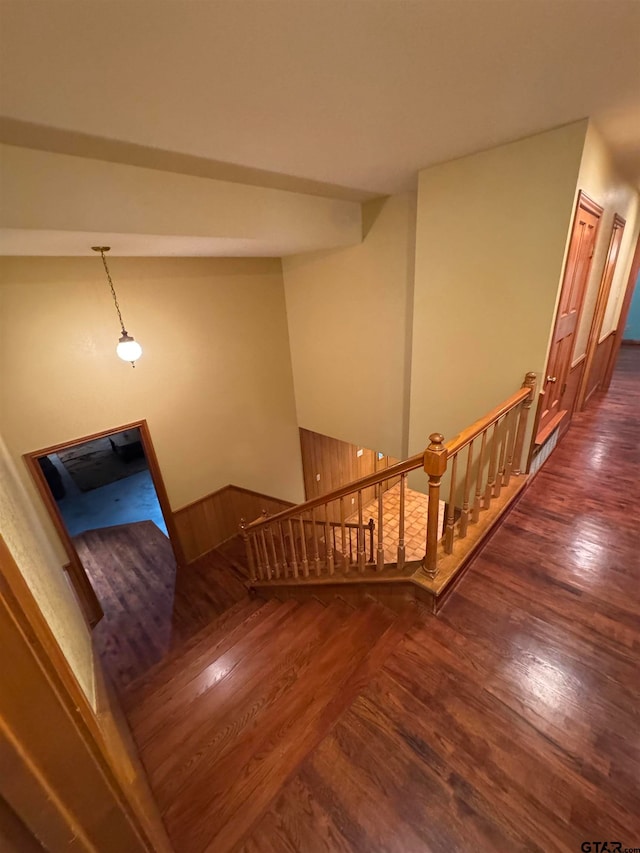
508,722
249,713
149,607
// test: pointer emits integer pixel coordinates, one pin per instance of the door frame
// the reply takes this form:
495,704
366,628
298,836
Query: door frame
622,319
602,300
43,797
31,460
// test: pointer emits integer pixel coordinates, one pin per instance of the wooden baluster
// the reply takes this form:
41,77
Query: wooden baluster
265,554
371,527
248,550
530,383
350,547
285,572
329,550
316,550
343,536
435,464
477,503
274,556
513,429
464,515
303,548
380,561
449,525
401,548
493,464
271,551
362,557
333,536
292,543
504,438
255,541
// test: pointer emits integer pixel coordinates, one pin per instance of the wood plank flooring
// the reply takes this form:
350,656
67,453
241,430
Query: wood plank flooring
149,607
219,734
508,722
511,721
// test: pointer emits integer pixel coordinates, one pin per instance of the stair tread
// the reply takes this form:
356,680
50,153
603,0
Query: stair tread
240,778
233,551
174,662
241,703
207,667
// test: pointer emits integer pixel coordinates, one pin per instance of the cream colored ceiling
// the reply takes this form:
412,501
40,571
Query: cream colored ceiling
356,94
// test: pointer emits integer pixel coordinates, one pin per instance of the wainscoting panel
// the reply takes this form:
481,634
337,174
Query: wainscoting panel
570,399
211,520
338,463
599,365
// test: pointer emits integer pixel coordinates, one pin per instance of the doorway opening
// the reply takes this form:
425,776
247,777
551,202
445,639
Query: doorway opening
103,482
106,497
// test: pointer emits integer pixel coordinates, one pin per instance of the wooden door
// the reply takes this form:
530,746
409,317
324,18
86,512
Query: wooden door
574,285
597,350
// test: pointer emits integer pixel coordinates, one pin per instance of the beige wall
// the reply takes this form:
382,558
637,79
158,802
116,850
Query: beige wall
600,180
490,241
62,193
214,382
350,330
42,570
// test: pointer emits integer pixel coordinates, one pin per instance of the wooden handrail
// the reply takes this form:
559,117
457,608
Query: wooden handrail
467,435
403,467
287,545
453,446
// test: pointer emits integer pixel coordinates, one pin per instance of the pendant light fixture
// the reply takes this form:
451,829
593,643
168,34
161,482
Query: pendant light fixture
128,349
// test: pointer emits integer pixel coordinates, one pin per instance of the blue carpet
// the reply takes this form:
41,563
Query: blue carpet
131,499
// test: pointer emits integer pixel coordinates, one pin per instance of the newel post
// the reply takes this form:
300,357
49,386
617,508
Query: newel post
530,383
435,464
247,545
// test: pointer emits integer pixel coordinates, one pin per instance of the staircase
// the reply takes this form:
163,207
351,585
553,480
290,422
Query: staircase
224,721
308,549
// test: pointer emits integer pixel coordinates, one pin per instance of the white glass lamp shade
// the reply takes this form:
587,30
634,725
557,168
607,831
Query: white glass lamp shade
128,349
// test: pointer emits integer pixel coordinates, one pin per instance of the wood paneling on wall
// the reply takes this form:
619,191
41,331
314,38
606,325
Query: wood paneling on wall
570,397
599,365
337,462
206,523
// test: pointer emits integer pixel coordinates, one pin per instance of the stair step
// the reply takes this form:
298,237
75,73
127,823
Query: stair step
236,775
173,664
224,721
234,553
237,708
218,589
204,667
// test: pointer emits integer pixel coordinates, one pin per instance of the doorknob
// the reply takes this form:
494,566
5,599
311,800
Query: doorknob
552,378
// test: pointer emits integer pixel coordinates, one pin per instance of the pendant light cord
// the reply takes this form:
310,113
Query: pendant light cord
113,291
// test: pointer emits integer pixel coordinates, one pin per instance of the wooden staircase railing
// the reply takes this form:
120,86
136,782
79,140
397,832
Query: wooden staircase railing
483,471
